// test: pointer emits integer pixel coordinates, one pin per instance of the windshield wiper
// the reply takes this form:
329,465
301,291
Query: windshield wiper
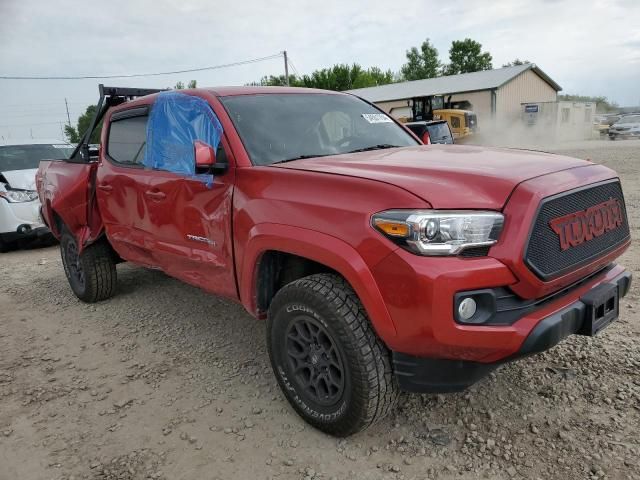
380,146
299,157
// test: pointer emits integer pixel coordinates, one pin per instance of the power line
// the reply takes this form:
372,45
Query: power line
293,67
132,75
28,124
23,105
45,113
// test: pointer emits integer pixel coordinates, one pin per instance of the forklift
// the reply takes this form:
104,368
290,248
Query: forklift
461,119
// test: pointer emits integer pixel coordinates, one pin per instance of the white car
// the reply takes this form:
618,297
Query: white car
19,204
627,127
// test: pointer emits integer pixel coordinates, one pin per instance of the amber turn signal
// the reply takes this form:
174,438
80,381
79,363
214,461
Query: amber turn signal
391,228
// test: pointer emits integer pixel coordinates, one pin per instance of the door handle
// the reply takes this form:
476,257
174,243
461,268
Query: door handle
105,187
155,195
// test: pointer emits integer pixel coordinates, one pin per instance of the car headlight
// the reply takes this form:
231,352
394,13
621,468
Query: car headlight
19,196
439,232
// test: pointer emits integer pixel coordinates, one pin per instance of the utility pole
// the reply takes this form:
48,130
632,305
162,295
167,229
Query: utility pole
286,68
68,116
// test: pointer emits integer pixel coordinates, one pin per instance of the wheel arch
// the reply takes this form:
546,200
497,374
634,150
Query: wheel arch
302,252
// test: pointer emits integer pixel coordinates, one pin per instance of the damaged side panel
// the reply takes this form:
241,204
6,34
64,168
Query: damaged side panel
66,190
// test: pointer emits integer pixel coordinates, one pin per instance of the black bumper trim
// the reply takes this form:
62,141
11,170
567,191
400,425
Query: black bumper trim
432,375
32,234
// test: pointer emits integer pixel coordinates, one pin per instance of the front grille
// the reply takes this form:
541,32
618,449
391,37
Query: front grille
544,255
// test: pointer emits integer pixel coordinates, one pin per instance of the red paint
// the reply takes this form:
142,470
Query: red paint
321,209
205,154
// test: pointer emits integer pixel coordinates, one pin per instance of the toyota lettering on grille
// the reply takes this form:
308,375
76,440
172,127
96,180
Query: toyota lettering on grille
579,227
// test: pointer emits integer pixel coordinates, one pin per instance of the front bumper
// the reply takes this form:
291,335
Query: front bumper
624,134
416,374
32,234
14,215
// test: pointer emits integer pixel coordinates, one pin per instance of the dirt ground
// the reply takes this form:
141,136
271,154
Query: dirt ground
166,382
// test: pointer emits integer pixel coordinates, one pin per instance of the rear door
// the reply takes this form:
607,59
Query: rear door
121,186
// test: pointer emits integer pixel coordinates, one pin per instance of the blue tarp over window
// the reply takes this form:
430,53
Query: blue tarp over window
176,121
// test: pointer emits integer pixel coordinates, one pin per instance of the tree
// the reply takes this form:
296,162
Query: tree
517,61
423,63
74,135
339,77
466,56
191,84
278,81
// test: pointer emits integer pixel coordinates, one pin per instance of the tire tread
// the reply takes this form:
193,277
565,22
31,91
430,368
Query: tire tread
376,395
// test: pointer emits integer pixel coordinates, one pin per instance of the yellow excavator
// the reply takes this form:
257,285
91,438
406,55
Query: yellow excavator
461,119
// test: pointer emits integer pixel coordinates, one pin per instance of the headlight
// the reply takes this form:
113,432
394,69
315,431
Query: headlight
439,232
19,196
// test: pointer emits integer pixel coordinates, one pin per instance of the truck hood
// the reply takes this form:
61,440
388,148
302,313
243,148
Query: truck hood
20,179
446,176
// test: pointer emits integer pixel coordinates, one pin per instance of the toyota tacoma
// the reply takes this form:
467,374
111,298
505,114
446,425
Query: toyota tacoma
380,264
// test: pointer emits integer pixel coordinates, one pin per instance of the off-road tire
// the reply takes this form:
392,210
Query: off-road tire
92,274
370,392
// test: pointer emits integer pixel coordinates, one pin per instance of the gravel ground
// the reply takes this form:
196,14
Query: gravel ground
166,382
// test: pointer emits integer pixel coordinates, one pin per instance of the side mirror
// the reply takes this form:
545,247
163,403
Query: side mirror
206,158
85,153
205,155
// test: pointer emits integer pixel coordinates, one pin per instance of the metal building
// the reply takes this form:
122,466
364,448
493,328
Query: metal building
494,95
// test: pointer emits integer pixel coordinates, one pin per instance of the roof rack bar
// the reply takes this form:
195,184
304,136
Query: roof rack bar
127,92
109,97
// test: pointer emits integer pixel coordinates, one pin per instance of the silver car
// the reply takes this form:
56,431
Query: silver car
627,127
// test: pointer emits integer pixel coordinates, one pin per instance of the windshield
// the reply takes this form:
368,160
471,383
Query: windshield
630,119
23,157
439,132
282,127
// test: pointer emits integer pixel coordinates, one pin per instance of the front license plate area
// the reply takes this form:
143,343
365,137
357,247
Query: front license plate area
602,308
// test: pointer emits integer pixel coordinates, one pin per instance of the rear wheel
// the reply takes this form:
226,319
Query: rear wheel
328,361
92,273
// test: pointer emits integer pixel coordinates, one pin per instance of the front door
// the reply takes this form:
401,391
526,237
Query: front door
191,222
189,211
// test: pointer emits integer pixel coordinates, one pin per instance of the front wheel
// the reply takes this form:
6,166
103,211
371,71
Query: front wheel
328,361
92,273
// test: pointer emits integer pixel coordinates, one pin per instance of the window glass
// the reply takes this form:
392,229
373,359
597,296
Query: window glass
281,127
23,157
455,122
630,119
176,122
337,125
439,132
127,140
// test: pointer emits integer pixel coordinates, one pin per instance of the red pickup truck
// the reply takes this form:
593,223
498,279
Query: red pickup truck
379,263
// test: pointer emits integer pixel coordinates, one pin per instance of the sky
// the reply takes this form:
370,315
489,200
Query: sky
588,47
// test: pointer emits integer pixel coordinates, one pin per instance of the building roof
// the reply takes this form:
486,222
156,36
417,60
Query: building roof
465,82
